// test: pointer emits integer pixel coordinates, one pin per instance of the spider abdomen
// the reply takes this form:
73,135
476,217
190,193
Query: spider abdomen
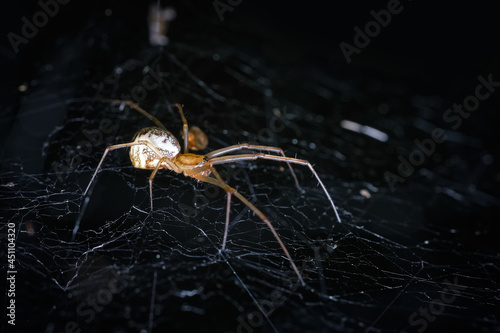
143,157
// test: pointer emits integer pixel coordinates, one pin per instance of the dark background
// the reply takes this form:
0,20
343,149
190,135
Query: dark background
393,251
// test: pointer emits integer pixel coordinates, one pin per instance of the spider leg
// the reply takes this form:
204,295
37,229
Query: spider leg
135,107
129,144
251,157
226,228
162,160
241,146
184,127
230,191
228,206
108,149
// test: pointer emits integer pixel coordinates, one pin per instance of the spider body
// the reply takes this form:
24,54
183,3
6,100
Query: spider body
190,162
156,148
143,157
169,157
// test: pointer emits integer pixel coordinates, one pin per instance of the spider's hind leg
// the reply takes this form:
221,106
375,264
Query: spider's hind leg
217,181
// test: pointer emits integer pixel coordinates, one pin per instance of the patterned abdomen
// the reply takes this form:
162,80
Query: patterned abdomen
143,157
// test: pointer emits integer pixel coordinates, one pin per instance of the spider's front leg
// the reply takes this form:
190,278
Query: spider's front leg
252,157
108,149
241,146
162,162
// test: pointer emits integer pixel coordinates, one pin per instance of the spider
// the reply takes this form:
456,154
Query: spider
156,148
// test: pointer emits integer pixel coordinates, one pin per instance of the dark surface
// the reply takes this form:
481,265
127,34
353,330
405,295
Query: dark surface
422,248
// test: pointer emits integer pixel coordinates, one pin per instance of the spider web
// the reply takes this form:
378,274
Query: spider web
420,255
